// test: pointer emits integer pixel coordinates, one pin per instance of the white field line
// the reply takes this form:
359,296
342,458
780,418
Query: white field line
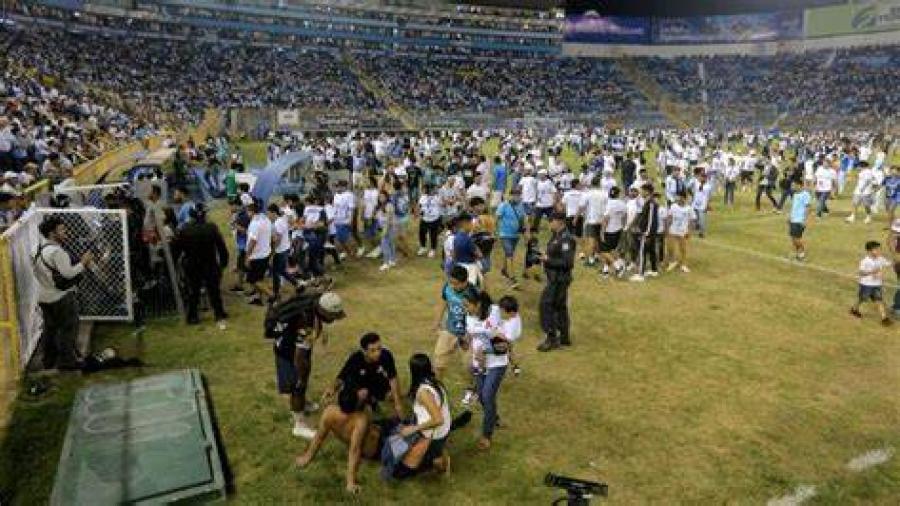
788,261
870,459
801,494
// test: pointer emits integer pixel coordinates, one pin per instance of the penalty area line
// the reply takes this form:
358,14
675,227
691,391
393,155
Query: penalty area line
787,261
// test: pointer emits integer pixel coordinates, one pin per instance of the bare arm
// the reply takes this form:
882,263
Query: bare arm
396,397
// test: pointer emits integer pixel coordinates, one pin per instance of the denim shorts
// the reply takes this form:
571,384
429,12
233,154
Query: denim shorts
342,233
509,245
867,293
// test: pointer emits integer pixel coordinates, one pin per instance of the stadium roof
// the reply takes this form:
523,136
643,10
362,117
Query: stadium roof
660,8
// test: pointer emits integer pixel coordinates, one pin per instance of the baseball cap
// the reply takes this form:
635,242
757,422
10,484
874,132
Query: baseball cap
331,303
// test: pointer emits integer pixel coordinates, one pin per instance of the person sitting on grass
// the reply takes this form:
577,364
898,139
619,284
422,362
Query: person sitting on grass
871,280
351,422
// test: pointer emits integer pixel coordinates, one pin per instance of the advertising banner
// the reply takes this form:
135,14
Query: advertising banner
731,28
856,16
288,117
592,28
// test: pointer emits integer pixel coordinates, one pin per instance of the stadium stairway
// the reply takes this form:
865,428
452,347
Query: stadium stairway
680,115
372,85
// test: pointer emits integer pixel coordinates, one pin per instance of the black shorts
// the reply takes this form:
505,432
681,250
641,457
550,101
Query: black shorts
570,224
610,241
867,293
545,212
796,230
579,227
256,271
593,231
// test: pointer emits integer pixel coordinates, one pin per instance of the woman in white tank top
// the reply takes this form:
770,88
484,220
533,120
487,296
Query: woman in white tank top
432,409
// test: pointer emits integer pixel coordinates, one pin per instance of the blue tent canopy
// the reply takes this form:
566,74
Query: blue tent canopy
268,178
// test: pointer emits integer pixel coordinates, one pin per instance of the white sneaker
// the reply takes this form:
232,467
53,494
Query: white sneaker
421,252
684,269
223,325
342,256
637,278
384,267
867,220
468,398
652,274
301,430
375,253
361,251
851,218
431,254
392,264
672,266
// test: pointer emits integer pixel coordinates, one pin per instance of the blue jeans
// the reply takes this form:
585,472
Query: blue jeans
821,203
389,244
700,216
279,270
315,253
488,386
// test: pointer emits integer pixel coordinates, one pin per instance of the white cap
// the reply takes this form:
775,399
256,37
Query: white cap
331,303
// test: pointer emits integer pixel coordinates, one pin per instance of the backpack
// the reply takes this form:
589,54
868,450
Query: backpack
61,282
278,316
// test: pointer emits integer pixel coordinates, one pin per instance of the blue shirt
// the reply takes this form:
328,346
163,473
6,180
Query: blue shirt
892,188
799,203
509,219
184,213
463,248
456,309
499,178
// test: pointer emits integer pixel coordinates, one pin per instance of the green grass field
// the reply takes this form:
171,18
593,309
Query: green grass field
734,384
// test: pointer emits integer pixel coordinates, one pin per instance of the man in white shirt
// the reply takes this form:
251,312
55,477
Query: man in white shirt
863,194
528,184
259,249
571,199
824,178
281,244
593,207
344,204
57,278
612,222
546,199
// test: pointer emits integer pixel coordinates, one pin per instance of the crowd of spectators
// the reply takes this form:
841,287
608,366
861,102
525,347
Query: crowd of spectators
845,83
538,85
184,78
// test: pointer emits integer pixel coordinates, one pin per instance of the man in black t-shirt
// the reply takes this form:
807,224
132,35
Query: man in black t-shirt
372,368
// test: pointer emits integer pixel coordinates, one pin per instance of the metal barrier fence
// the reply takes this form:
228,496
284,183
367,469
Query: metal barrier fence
104,293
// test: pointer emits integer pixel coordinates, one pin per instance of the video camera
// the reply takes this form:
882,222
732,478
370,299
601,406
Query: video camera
578,491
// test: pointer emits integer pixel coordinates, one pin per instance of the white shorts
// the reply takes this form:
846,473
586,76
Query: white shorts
474,271
496,198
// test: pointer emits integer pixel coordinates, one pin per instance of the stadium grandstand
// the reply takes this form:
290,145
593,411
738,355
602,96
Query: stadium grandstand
291,251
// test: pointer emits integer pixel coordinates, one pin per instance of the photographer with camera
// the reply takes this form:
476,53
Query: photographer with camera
57,280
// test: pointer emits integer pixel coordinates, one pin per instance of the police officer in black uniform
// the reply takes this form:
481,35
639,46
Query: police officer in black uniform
204,257
558,264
